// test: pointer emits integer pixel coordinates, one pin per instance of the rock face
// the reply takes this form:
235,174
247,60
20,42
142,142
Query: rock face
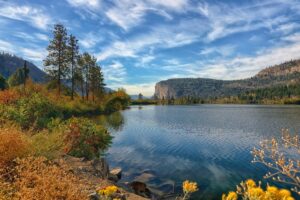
284,74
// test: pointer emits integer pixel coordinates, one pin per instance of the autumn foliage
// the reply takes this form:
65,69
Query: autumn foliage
12,145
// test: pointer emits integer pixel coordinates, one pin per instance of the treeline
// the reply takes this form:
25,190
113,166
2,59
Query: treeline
275,95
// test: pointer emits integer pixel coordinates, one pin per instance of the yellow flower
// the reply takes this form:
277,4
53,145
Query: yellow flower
284,193
255,193
289,198
108,191
230,196
250,183
272,192
189,187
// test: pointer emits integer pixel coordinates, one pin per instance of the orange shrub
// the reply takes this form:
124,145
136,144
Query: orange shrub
13,144
8,97
38,178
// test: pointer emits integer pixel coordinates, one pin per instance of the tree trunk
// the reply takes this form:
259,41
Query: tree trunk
72,92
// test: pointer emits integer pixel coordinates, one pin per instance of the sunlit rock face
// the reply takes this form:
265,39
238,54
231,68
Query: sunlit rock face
278,75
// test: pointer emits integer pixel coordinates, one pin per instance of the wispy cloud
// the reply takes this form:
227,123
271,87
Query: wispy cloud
115,73
90,4
227,19
6,46
163,37
90,40
32,15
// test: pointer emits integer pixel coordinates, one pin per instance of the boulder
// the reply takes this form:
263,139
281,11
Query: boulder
116,172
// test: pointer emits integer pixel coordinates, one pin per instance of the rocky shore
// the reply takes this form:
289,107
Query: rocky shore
95,174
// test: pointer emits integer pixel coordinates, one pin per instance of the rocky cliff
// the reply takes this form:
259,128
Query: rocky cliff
287,73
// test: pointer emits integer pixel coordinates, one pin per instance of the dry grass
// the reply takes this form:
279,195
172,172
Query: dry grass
38,178
13,144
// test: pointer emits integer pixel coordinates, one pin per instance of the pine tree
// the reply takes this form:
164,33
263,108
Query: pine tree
86,62
57,59
3,83
140,97
96,80
26,73
73,54
79,79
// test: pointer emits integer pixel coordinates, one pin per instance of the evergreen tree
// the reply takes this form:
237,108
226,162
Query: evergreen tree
3,83
57,59
26,73
17,78
96,80
73,54
79,79
86,62
140,96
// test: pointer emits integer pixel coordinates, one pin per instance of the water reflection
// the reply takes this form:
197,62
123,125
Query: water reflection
114,121
209,144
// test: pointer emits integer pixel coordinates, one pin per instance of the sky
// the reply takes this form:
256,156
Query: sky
140,42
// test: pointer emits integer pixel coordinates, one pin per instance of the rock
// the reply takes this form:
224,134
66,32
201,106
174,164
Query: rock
117,172
113,178
101,167
94,196
141,189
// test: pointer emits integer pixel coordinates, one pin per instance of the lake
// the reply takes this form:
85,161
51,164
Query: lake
209,144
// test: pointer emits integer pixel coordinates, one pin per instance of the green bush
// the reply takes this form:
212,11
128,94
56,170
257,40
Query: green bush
84,138
34,112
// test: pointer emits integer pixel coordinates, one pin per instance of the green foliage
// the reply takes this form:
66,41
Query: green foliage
84,138
3,83
118,101
34,111
17,78
47,144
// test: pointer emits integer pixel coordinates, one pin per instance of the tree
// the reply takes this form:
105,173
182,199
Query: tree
85,65
140,96
96,80
17,78
26,73
57,59
3,83
78,76
73,54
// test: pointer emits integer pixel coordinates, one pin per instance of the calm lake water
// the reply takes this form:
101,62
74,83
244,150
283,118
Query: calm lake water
209,144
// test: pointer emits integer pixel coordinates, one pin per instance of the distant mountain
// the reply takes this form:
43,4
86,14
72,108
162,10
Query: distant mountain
10,63
287,73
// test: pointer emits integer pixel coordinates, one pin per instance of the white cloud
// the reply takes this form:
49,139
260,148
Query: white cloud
42,36
115,73
147,89
128,14
247,66
6,46
90,40
36,55
184,33
228,19
91,4
225,50
34,16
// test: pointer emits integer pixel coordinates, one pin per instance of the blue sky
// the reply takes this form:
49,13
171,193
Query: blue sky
140,42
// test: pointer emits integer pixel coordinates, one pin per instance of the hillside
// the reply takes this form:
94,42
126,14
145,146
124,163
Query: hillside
287,73
10,63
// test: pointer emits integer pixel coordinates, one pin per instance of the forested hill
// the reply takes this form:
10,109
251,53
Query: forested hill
10,63
287,73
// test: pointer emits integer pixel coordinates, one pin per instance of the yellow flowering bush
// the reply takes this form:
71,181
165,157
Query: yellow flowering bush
188,188
249,190
110,193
